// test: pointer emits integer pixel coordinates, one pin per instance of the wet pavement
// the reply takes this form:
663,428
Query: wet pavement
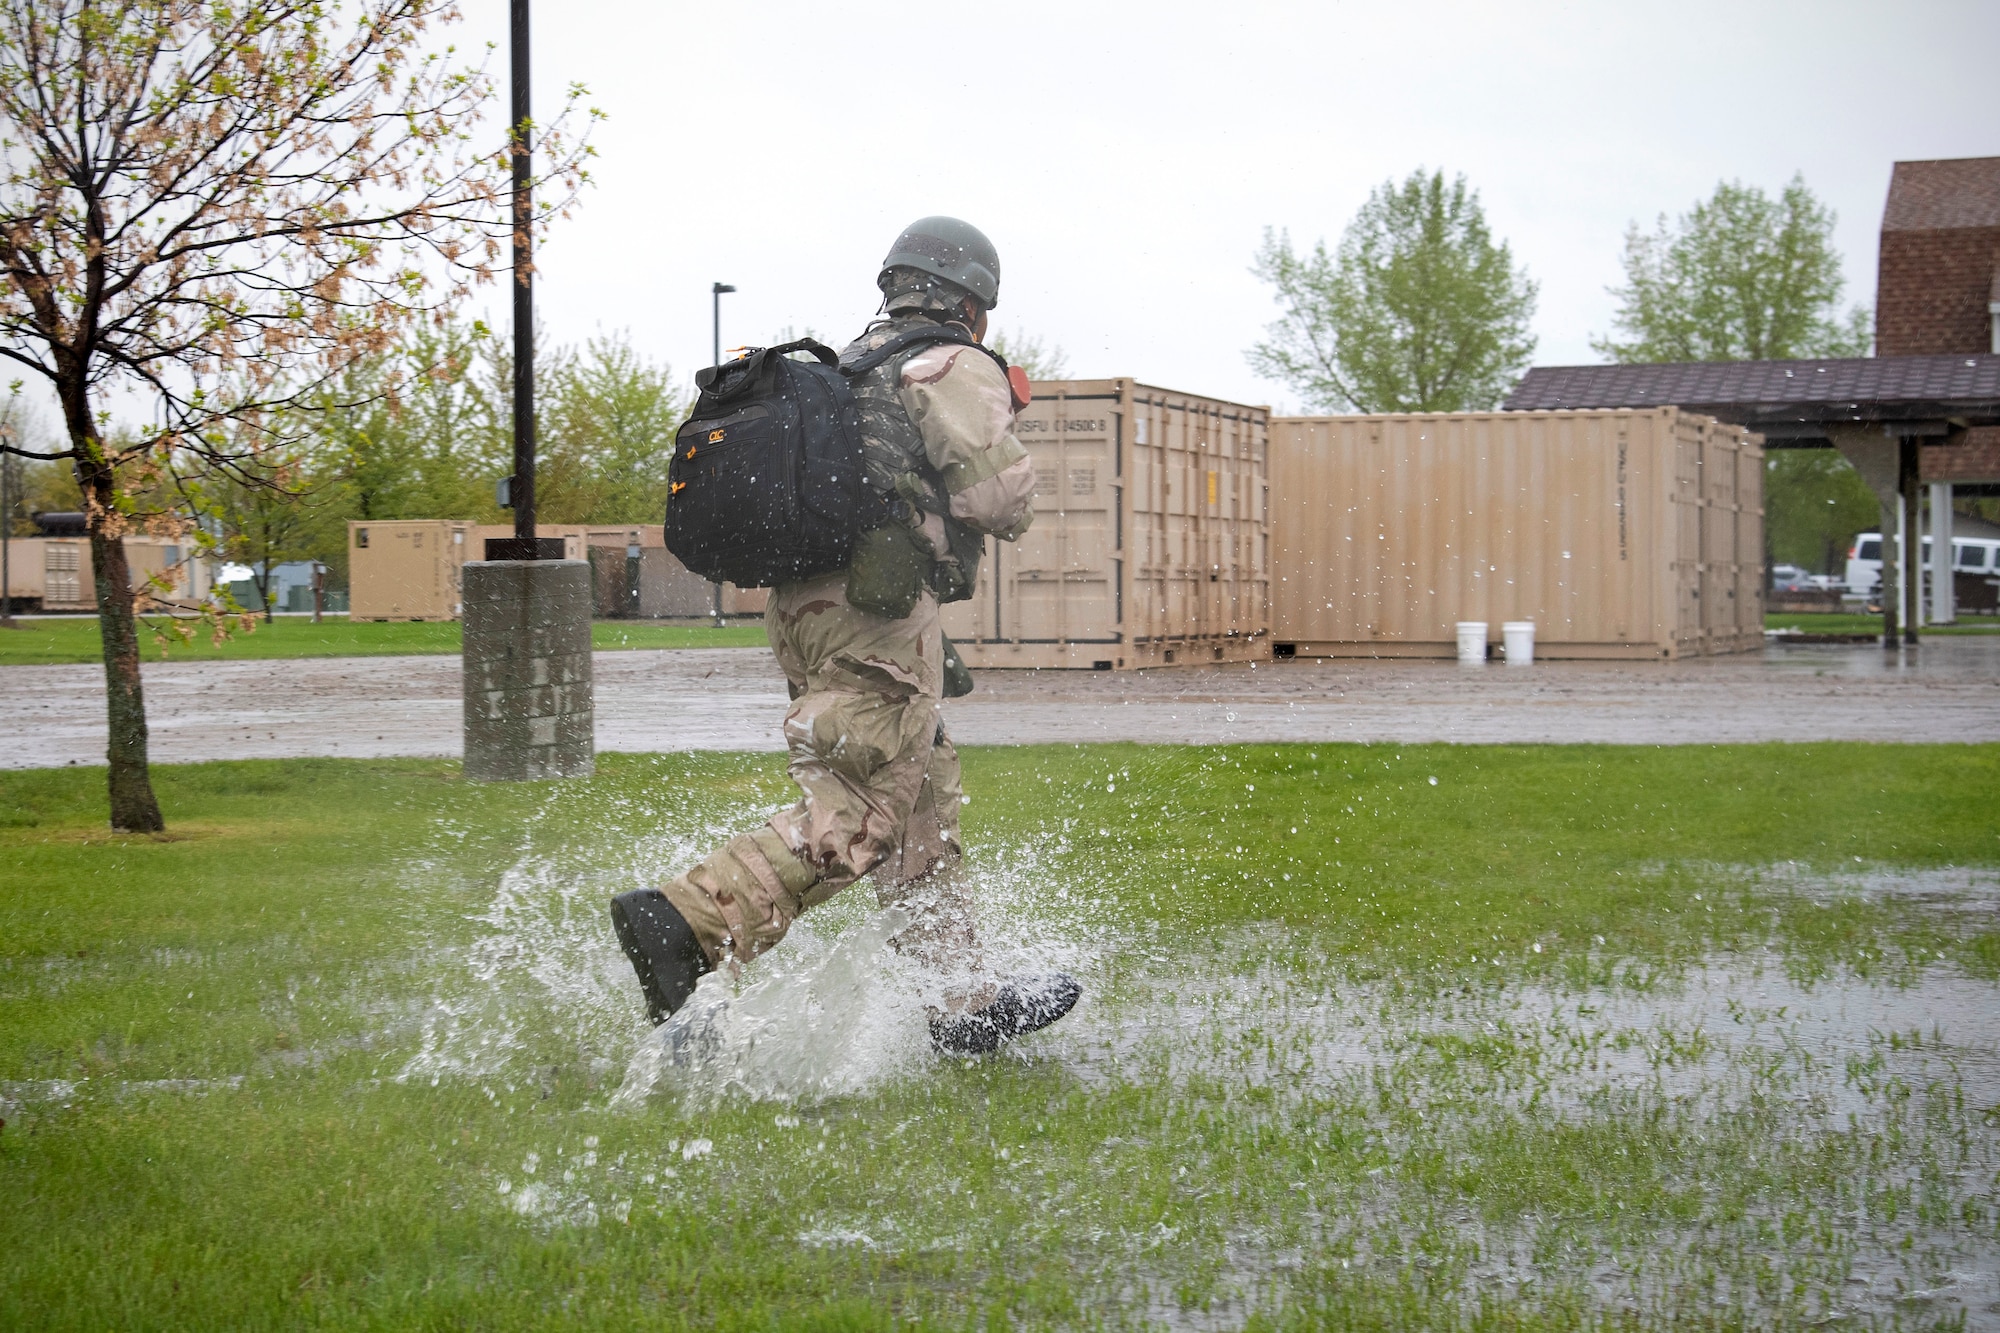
733,698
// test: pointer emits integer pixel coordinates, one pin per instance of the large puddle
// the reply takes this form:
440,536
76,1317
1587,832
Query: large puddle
1868,1109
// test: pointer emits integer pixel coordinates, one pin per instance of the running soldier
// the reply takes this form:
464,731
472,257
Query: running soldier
867,668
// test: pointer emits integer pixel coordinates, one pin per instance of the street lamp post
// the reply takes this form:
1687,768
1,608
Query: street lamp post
522,492
715,326
529,710
6,536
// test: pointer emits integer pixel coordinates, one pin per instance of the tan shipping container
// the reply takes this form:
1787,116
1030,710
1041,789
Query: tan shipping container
396,573
1150,544
59,573
665,590
1621,534
634,582
575,537
27,570
407,569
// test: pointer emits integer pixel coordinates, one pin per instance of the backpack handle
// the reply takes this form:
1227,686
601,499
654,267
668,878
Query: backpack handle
819,349
750,372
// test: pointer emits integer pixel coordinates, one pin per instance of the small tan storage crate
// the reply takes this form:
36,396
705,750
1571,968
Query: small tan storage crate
407,569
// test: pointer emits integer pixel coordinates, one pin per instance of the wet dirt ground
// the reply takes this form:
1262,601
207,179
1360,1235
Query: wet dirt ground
732,699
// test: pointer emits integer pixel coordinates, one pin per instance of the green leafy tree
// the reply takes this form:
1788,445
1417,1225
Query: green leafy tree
430,436
611,421
35,486
1740,277
291,512
605,423
1419,310
1814,505
1744,276
434,432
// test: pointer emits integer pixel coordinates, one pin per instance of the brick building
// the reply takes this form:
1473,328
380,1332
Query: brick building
1938,282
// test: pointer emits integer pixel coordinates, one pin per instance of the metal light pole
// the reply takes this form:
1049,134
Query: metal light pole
715,294
529,710
523,490
6,537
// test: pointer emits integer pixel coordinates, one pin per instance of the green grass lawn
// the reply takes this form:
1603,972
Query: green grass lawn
1375,1037
1845,623
75,639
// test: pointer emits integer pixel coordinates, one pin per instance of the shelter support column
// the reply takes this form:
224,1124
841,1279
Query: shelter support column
1877,455
1910,559
1944,605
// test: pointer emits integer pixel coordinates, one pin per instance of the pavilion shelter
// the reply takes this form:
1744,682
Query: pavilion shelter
1900,420
1922,414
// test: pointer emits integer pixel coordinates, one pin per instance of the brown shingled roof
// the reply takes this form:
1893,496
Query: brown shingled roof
1753,393
1944,194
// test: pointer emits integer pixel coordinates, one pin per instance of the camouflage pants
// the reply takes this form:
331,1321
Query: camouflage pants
878,783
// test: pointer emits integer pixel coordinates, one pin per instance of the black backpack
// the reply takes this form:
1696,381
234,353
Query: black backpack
765,485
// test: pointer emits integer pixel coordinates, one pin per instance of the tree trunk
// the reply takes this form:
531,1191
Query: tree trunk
133,806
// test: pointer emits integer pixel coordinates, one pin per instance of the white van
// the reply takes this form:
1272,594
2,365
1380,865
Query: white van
1973,555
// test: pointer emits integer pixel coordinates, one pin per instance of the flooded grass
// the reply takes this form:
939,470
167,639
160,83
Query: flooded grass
1573,1038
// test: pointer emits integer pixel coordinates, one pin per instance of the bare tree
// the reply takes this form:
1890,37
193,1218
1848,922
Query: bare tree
218,207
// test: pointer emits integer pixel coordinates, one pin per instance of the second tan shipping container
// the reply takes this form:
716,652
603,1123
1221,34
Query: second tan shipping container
575,537
57,573
411,569
667,589
634,582
1627,534
1149,546
407,569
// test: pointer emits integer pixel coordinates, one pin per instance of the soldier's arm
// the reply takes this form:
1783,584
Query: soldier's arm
961,404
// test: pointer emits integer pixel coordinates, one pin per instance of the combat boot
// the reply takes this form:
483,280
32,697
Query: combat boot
1019,1006
662,947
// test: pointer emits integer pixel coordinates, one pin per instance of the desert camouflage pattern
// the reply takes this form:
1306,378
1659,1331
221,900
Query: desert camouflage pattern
878,777
945,412
964,409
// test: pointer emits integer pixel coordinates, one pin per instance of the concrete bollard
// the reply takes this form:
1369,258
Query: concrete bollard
528,706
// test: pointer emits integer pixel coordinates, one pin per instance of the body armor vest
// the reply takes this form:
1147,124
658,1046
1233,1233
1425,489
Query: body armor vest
897,467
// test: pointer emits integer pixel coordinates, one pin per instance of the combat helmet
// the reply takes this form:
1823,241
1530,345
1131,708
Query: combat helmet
937,262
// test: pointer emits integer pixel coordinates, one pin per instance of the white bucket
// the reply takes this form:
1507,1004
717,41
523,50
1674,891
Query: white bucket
1472,641
1519,636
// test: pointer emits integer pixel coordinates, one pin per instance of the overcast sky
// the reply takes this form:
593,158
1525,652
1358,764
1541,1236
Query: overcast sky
1126,157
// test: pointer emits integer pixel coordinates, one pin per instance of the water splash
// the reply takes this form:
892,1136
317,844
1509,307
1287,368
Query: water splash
832,1011
823,1022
